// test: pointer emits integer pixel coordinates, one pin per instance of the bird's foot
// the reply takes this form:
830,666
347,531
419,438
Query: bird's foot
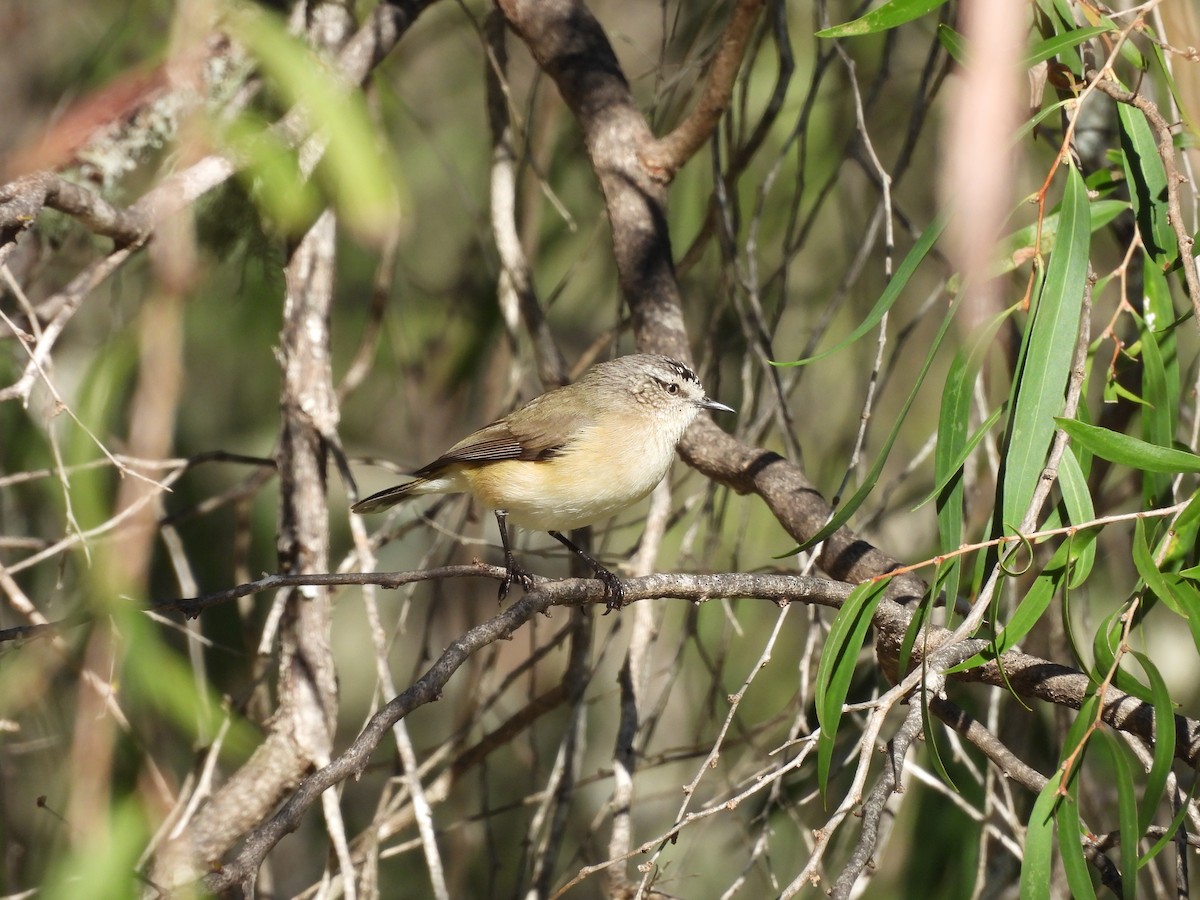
514,572
614,593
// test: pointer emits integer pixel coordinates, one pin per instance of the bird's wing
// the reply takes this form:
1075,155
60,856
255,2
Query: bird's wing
531,433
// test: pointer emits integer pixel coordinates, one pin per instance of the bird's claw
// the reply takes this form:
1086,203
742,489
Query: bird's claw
614,593
513,572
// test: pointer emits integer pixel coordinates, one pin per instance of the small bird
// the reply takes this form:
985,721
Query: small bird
571,457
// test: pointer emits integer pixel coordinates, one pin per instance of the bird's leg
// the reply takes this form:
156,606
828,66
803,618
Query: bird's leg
614,594
513,571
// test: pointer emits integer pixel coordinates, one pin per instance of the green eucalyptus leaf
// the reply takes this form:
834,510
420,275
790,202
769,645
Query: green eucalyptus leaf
1046,366
883,18
1129,451
836,668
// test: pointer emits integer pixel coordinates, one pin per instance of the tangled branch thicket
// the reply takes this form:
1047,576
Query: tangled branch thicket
924,621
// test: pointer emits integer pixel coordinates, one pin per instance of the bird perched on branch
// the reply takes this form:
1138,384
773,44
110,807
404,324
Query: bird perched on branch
571,457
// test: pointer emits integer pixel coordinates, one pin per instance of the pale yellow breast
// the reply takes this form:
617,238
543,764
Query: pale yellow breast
603,471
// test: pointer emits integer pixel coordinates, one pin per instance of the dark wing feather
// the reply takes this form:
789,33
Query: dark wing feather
537,431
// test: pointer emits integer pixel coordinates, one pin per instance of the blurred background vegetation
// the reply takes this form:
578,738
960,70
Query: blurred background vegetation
174,358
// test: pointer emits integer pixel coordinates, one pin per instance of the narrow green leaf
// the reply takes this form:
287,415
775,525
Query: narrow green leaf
1190,515
1129,451
1037,599
1026,128
1114,391
931,738
1158,309
1075,743
952,42
949,455
1104,648
921,614
836,668
1060,13
850,506
954,467
272,174
1170,831
956,404
1034,290
1039,841
1187,598
1058,802
1078,501
1070,846
1052,334
1161,377
1127,813
1148,570
889,15
1133,56
1164,743
361,183
1104,654
1182,540
1069,629
1159,421
1056,44
1148,184
953,446
1165,76
890,294
1066,13
1085,456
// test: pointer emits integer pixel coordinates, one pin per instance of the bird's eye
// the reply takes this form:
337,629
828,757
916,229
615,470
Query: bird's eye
672,388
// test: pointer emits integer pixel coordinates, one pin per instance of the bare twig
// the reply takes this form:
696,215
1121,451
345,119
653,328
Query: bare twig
517,295
933,684
21,200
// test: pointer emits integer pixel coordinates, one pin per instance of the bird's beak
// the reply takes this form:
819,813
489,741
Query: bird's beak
710,403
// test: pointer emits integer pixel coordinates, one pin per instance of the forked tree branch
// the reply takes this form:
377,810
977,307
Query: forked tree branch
22,199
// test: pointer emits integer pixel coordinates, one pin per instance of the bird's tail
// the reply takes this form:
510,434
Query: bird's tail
390,497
